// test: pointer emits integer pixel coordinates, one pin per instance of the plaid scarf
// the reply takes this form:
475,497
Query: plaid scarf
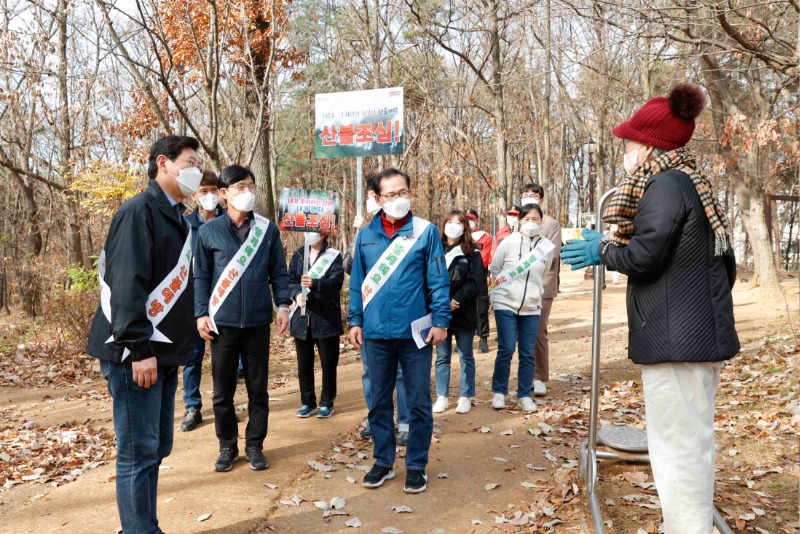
623,205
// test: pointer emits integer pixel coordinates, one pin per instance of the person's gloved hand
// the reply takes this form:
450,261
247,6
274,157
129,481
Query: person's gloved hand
580,254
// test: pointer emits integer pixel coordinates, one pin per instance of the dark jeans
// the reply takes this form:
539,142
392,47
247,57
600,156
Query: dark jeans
514,330
384,355
402,403
253,345
143,423
329,360
191,375
483,311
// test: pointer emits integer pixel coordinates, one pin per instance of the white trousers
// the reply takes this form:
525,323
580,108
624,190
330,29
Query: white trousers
679,408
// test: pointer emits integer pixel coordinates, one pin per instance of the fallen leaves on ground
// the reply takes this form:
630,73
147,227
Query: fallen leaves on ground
54,455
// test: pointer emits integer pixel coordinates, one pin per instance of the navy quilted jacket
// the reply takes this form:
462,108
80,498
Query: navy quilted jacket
679,300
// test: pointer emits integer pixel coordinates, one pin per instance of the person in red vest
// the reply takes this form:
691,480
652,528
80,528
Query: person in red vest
484,243
512,217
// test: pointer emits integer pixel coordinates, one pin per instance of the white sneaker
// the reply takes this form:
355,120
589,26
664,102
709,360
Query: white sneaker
539,388
526,404
498,401
441,405
464,405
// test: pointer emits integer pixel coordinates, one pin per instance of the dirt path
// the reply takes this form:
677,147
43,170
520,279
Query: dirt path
239,501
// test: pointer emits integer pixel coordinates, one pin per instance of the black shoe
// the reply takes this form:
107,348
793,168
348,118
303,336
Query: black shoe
226,458
402,438
483,346
254,455
377,476
190,421
416,481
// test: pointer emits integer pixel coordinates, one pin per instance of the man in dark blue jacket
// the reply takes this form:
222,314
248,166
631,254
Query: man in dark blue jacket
207,207
399,275
143,328
239,257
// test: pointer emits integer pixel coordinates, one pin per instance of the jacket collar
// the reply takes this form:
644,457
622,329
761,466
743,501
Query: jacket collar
406,230
196,220
163,204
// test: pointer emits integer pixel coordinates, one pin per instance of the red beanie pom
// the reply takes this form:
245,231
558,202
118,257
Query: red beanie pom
686,100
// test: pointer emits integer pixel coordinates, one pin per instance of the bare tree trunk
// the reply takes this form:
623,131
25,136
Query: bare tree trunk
544,175
498,105
751,201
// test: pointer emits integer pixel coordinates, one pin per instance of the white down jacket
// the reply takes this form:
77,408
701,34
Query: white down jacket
522,295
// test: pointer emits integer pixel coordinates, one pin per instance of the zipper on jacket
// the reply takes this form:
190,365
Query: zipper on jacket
638,311
527,276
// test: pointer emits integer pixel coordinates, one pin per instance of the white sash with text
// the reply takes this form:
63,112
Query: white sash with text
391,258
161,300
236,267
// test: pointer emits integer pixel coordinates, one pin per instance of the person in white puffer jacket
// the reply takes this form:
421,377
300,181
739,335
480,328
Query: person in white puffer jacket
517,270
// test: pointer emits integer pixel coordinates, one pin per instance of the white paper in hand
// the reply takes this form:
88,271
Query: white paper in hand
420,329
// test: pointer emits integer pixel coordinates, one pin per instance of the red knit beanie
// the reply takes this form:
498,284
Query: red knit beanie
666,123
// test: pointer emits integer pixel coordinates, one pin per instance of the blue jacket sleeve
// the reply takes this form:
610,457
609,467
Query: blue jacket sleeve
203,271
438,280
295,273
355,310
658,222
278,274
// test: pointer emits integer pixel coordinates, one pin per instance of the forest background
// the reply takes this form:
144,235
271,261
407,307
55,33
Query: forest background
497,93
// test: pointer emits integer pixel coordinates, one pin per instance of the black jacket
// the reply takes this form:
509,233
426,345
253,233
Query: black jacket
323,309
196,221
466,276
142,247
680,307
249,303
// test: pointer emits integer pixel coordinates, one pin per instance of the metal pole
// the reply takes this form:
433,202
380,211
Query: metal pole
597,317
359,185
306,252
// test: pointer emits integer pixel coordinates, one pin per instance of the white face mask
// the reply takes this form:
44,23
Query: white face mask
188,179
397,208
453,230
208,202
312,238
530,229
243,201
372,206
472,225
511,221
530,200
631,160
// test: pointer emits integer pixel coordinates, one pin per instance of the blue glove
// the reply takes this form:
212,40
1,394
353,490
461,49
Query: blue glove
580,254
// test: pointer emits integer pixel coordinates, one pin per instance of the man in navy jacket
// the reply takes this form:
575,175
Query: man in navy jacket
399,275
239,258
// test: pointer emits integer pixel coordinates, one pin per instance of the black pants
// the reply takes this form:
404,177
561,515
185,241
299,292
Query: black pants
253,345
329,359
483,311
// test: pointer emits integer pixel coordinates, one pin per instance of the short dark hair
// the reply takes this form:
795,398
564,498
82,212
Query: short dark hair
474,213
210,178
533,187
527,208
235,173
170,146
388,173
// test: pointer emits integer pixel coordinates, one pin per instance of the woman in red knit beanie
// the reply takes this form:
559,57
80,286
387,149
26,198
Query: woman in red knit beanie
673,243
